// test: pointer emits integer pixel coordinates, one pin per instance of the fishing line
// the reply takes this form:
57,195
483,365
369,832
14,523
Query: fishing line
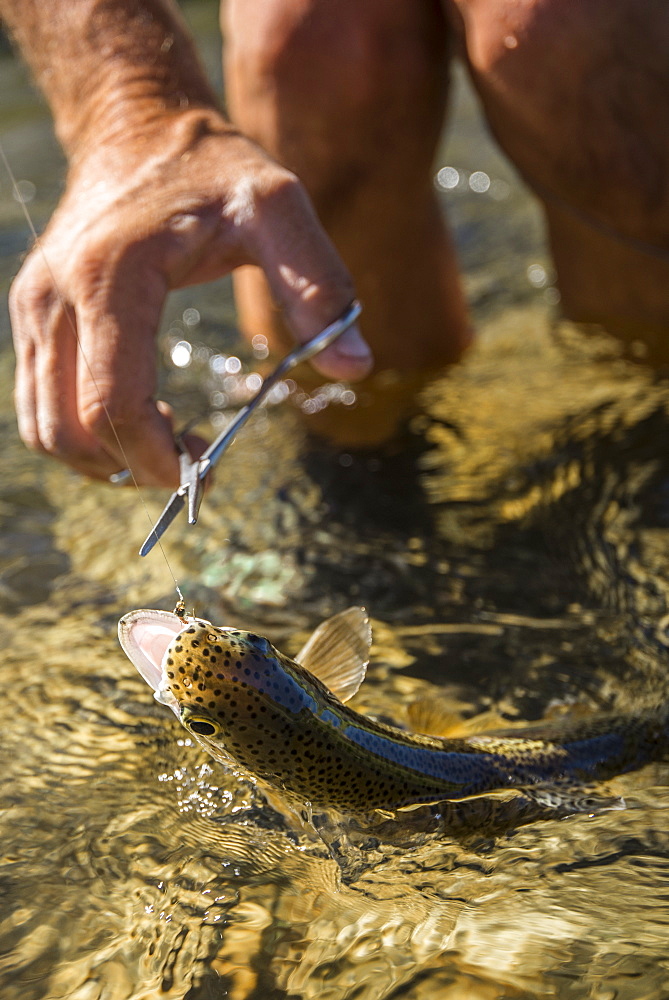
38,243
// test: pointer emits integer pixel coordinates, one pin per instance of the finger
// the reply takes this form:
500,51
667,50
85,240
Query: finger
115,388
24,377
309,280
60,429
45,340
25,402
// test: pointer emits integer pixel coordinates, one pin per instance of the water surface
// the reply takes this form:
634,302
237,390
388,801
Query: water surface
513,556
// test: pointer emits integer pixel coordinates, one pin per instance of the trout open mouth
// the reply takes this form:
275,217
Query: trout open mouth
145,637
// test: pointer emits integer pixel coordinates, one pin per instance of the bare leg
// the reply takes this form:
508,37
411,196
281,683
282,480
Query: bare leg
351,96
578,96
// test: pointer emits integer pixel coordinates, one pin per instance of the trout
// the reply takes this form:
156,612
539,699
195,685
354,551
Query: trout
286,722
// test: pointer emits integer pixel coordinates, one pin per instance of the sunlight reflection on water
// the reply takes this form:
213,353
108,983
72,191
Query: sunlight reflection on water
514,559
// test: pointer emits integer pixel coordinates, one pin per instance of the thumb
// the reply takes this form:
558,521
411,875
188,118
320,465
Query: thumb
309,280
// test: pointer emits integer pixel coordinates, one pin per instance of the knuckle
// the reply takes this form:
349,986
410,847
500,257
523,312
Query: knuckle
30,296
30,437
98,413
92,279
59,442
255,196
105,417
282,204
286,185
54,439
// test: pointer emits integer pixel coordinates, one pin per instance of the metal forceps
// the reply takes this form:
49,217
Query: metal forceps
193,472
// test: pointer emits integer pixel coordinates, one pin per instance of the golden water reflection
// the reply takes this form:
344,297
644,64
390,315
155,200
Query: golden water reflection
513,554
513,557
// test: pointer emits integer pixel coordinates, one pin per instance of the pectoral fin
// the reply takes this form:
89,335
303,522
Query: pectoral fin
433,716
338,652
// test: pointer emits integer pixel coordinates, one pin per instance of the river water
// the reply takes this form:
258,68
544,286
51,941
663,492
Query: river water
513,556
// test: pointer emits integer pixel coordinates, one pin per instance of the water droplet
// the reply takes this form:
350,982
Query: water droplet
191,317
181,354
536,275
448,178
259,345
278,393
24,192
479,182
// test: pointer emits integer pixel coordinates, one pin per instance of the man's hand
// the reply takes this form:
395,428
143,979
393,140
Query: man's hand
185,204
162,192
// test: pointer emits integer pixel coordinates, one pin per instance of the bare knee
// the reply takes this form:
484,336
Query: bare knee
335,90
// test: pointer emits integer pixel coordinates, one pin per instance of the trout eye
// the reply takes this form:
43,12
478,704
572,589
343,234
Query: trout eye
201,726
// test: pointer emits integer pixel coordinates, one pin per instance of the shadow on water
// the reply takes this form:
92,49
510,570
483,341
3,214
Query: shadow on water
512,550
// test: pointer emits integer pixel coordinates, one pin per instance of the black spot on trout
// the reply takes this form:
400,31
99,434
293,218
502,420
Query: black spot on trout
281,720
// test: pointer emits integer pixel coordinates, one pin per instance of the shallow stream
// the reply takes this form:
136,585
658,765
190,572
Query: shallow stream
513,554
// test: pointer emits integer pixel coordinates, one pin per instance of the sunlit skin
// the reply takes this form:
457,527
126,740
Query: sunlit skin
576,93
163,192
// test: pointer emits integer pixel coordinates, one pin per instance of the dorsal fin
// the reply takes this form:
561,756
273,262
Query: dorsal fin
338,652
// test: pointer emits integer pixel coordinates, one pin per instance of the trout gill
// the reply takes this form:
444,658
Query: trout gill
285,722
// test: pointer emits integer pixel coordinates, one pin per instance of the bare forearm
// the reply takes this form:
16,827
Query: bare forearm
109,68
